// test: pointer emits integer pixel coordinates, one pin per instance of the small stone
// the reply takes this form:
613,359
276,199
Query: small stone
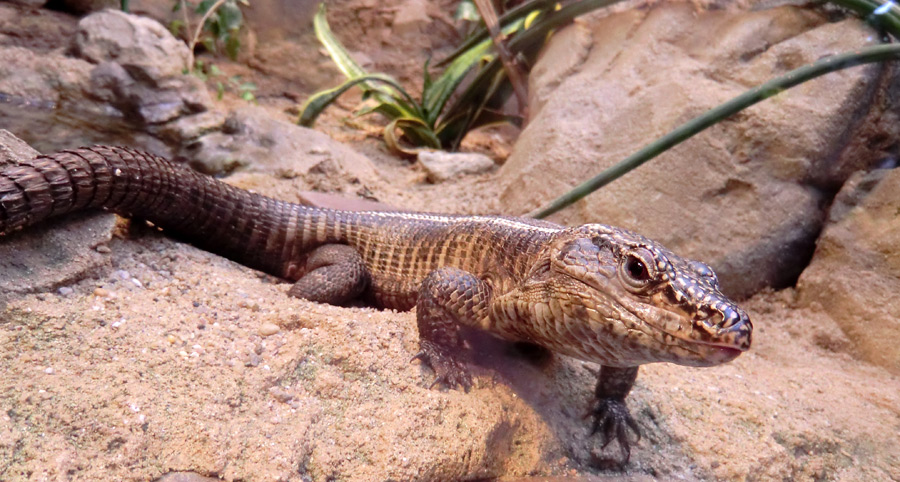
253,360
171,339
48,370
281,394
122,275
269,329
65,291
441,166
103,249
102,293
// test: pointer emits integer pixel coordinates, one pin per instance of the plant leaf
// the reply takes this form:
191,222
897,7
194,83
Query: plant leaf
232,45
322,99
414,129
230,16
435,96
341,56
506,20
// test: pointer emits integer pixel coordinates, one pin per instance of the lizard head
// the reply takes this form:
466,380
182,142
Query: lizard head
629,301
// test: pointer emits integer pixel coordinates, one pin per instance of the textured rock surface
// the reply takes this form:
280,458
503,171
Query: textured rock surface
745,195
43,78
140,68
854,276
441,166
81,7
253,141
141,44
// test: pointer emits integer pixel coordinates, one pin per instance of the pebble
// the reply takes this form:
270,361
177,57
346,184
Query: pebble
123,275
253,360
65,291
269,329
103,249
281,394
102,292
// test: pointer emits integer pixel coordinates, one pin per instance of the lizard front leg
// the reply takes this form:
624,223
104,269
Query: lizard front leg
334,274
449,298
611,416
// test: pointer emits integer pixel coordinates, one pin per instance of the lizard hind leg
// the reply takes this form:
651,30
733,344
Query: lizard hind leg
449,298
335,274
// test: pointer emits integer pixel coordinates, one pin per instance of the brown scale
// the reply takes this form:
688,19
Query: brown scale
591,291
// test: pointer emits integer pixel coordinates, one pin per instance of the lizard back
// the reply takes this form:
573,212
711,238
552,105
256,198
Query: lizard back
399,249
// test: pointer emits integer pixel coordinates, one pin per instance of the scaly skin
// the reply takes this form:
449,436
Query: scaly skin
594,292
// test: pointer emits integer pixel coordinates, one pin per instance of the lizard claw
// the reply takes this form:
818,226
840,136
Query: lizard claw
447,369
613,421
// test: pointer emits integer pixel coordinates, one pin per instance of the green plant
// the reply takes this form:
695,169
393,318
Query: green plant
205,72
447,109
218,28
244,90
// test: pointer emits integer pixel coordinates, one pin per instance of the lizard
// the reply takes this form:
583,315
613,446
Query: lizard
594,292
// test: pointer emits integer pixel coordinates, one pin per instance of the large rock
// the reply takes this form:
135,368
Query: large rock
141,44
41,78
855,274
133,381
746,195
254,141
140,68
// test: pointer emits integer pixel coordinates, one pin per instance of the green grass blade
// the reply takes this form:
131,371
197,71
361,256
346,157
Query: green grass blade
889,20
340,55
415,130
336,50
480,35
435,96
322,99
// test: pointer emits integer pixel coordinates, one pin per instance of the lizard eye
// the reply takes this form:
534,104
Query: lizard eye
634,270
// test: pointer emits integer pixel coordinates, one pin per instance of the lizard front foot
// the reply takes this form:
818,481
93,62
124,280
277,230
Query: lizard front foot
613,421
447,369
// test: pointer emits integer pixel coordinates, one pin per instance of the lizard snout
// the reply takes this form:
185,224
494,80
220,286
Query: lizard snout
729,325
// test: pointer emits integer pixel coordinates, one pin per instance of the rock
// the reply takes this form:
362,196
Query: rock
140,44
442,166
255,141
54,253
191,127
343,203
186,477
268,329
30,3
747,195
81,7
13,149
411,18
41,77
140,68
156,102
854,276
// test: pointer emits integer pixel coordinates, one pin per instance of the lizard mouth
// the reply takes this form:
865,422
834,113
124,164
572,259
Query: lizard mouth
722,354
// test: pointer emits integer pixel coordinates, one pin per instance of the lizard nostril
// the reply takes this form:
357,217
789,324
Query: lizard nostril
731,317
